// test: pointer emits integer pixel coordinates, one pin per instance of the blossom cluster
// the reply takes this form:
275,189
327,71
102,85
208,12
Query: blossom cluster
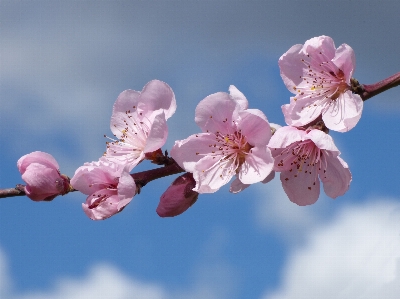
235,143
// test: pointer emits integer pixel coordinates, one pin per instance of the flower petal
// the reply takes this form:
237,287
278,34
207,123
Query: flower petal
95,176
98,209
257,166
345,60
158,132
239,98
345,114
190,150
41,181
126,188
126,101
322,44
300,187
237,186
337,178
156,95
254,125
322,140
214,113
301,112
37,157
284,137
291,67
211,174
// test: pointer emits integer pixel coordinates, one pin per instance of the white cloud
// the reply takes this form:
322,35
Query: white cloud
357,255
211,278
102,281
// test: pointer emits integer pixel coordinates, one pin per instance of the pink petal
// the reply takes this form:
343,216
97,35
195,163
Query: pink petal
257,166
214,113
345,114
41,181
158,132
284,137
95,176
37,157
104,209
126,189
301,112
254,125
318,44
322,140
126,101
291,67
239,97
187,152
237,186
287,110
337,178
345,60
211,174
300,187
158,95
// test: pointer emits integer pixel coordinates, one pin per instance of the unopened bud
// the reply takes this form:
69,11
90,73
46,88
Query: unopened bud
178,197
43,179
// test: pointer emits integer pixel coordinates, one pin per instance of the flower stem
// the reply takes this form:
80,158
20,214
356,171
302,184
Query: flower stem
370,90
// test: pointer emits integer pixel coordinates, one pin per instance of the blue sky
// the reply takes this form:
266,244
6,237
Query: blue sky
63,64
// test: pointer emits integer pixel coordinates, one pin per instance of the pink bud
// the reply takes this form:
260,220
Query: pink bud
178,197
43,179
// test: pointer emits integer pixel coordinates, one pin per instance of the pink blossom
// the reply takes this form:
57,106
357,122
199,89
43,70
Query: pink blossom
40,172
139,122
304,157
234,142
319,76
109,186
178,197
237,186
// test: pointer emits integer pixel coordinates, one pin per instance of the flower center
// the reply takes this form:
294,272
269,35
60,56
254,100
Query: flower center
101,196
303,156
132,137
233,147
322,79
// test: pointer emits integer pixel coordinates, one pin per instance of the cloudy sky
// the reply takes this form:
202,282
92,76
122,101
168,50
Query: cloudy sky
63,64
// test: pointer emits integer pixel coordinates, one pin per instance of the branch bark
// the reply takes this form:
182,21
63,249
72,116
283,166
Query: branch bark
367,91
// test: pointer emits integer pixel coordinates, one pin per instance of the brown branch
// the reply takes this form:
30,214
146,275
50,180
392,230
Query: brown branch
368,91
19,190
144,177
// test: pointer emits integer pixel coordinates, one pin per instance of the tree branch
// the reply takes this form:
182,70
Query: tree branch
368,91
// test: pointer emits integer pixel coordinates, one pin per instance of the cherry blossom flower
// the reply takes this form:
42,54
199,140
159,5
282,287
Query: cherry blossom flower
178,197
139,122
40,171
234,142
319,76
109,186
237,186
304,157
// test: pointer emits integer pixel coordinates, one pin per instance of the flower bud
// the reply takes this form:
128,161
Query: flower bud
178,197
43,179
